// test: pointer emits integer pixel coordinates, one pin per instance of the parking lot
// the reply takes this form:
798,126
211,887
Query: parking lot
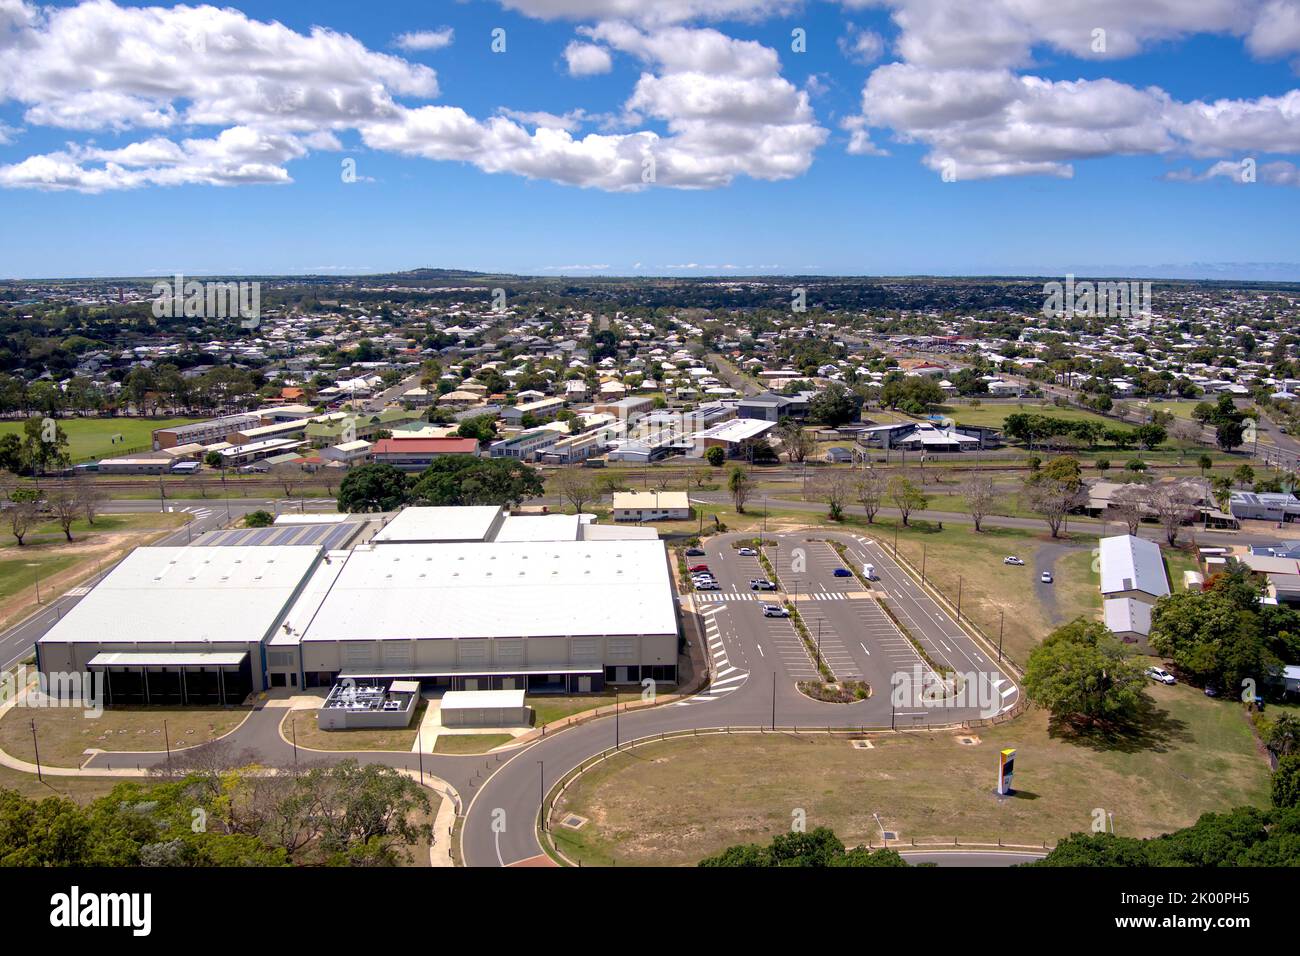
858,639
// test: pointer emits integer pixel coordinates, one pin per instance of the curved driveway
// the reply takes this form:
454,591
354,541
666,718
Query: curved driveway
755,663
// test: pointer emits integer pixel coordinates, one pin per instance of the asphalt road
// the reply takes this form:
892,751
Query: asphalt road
756,662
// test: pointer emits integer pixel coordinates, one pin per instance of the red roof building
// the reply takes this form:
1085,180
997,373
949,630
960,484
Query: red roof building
415,454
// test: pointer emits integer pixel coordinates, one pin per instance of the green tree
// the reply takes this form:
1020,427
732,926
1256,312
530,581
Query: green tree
739,484
819,848
1084,673
480,427
715,456
376,487
835,405
1286,782
466,480
906,496
259,519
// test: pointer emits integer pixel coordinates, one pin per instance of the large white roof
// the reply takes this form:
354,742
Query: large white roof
516,589
188,595
410,525
557,527
1132,564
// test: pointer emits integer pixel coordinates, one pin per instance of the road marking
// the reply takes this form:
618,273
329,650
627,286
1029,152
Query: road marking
864,648
760,649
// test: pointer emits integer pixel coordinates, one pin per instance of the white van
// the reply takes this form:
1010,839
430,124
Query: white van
869,572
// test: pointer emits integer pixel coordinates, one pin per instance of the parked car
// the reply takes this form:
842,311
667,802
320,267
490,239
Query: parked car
762,585
747,553
842,573
702,577
1046,577
695,552
694,568
1161,675
1012,559
774,610
706,586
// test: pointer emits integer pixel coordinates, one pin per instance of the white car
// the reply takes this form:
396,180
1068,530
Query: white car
1012,559
706,586
774,610
1046,577
1161,675
762,585
747,553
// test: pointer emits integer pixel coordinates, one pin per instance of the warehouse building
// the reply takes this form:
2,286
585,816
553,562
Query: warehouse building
180,625
466,598
565,616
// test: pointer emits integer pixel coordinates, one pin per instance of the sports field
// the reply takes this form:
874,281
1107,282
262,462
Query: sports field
102,437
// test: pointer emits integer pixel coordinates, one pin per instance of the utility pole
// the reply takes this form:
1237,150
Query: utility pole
959,597
774,700
167,742
1002,617
37,751
293,728
541,791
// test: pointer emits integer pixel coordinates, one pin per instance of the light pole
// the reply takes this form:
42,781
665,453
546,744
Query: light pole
36,569
167,742
293,728
541,791
36,750
1002,617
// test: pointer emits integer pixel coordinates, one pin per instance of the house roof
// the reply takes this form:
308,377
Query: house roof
422,446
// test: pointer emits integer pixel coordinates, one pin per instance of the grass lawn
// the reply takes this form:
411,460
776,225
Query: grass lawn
996,415
303,723
50,532
64,733
79,789
672,803
17,573
548,708
990,589
62,563
93,437
469,743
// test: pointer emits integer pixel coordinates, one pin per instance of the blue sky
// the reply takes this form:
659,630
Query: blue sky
1144,206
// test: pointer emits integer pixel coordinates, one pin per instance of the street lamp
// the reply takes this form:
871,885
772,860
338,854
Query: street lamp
37,571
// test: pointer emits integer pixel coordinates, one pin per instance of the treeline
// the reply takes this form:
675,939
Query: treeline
450,480
819,847
1032,429
346,814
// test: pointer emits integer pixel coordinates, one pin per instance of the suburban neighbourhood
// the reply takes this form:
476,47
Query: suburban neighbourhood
439,441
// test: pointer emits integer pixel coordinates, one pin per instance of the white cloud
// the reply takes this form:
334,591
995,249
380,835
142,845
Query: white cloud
861,46
570,121
587,59
1243,172
958,90
653,12
273,94
427,39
